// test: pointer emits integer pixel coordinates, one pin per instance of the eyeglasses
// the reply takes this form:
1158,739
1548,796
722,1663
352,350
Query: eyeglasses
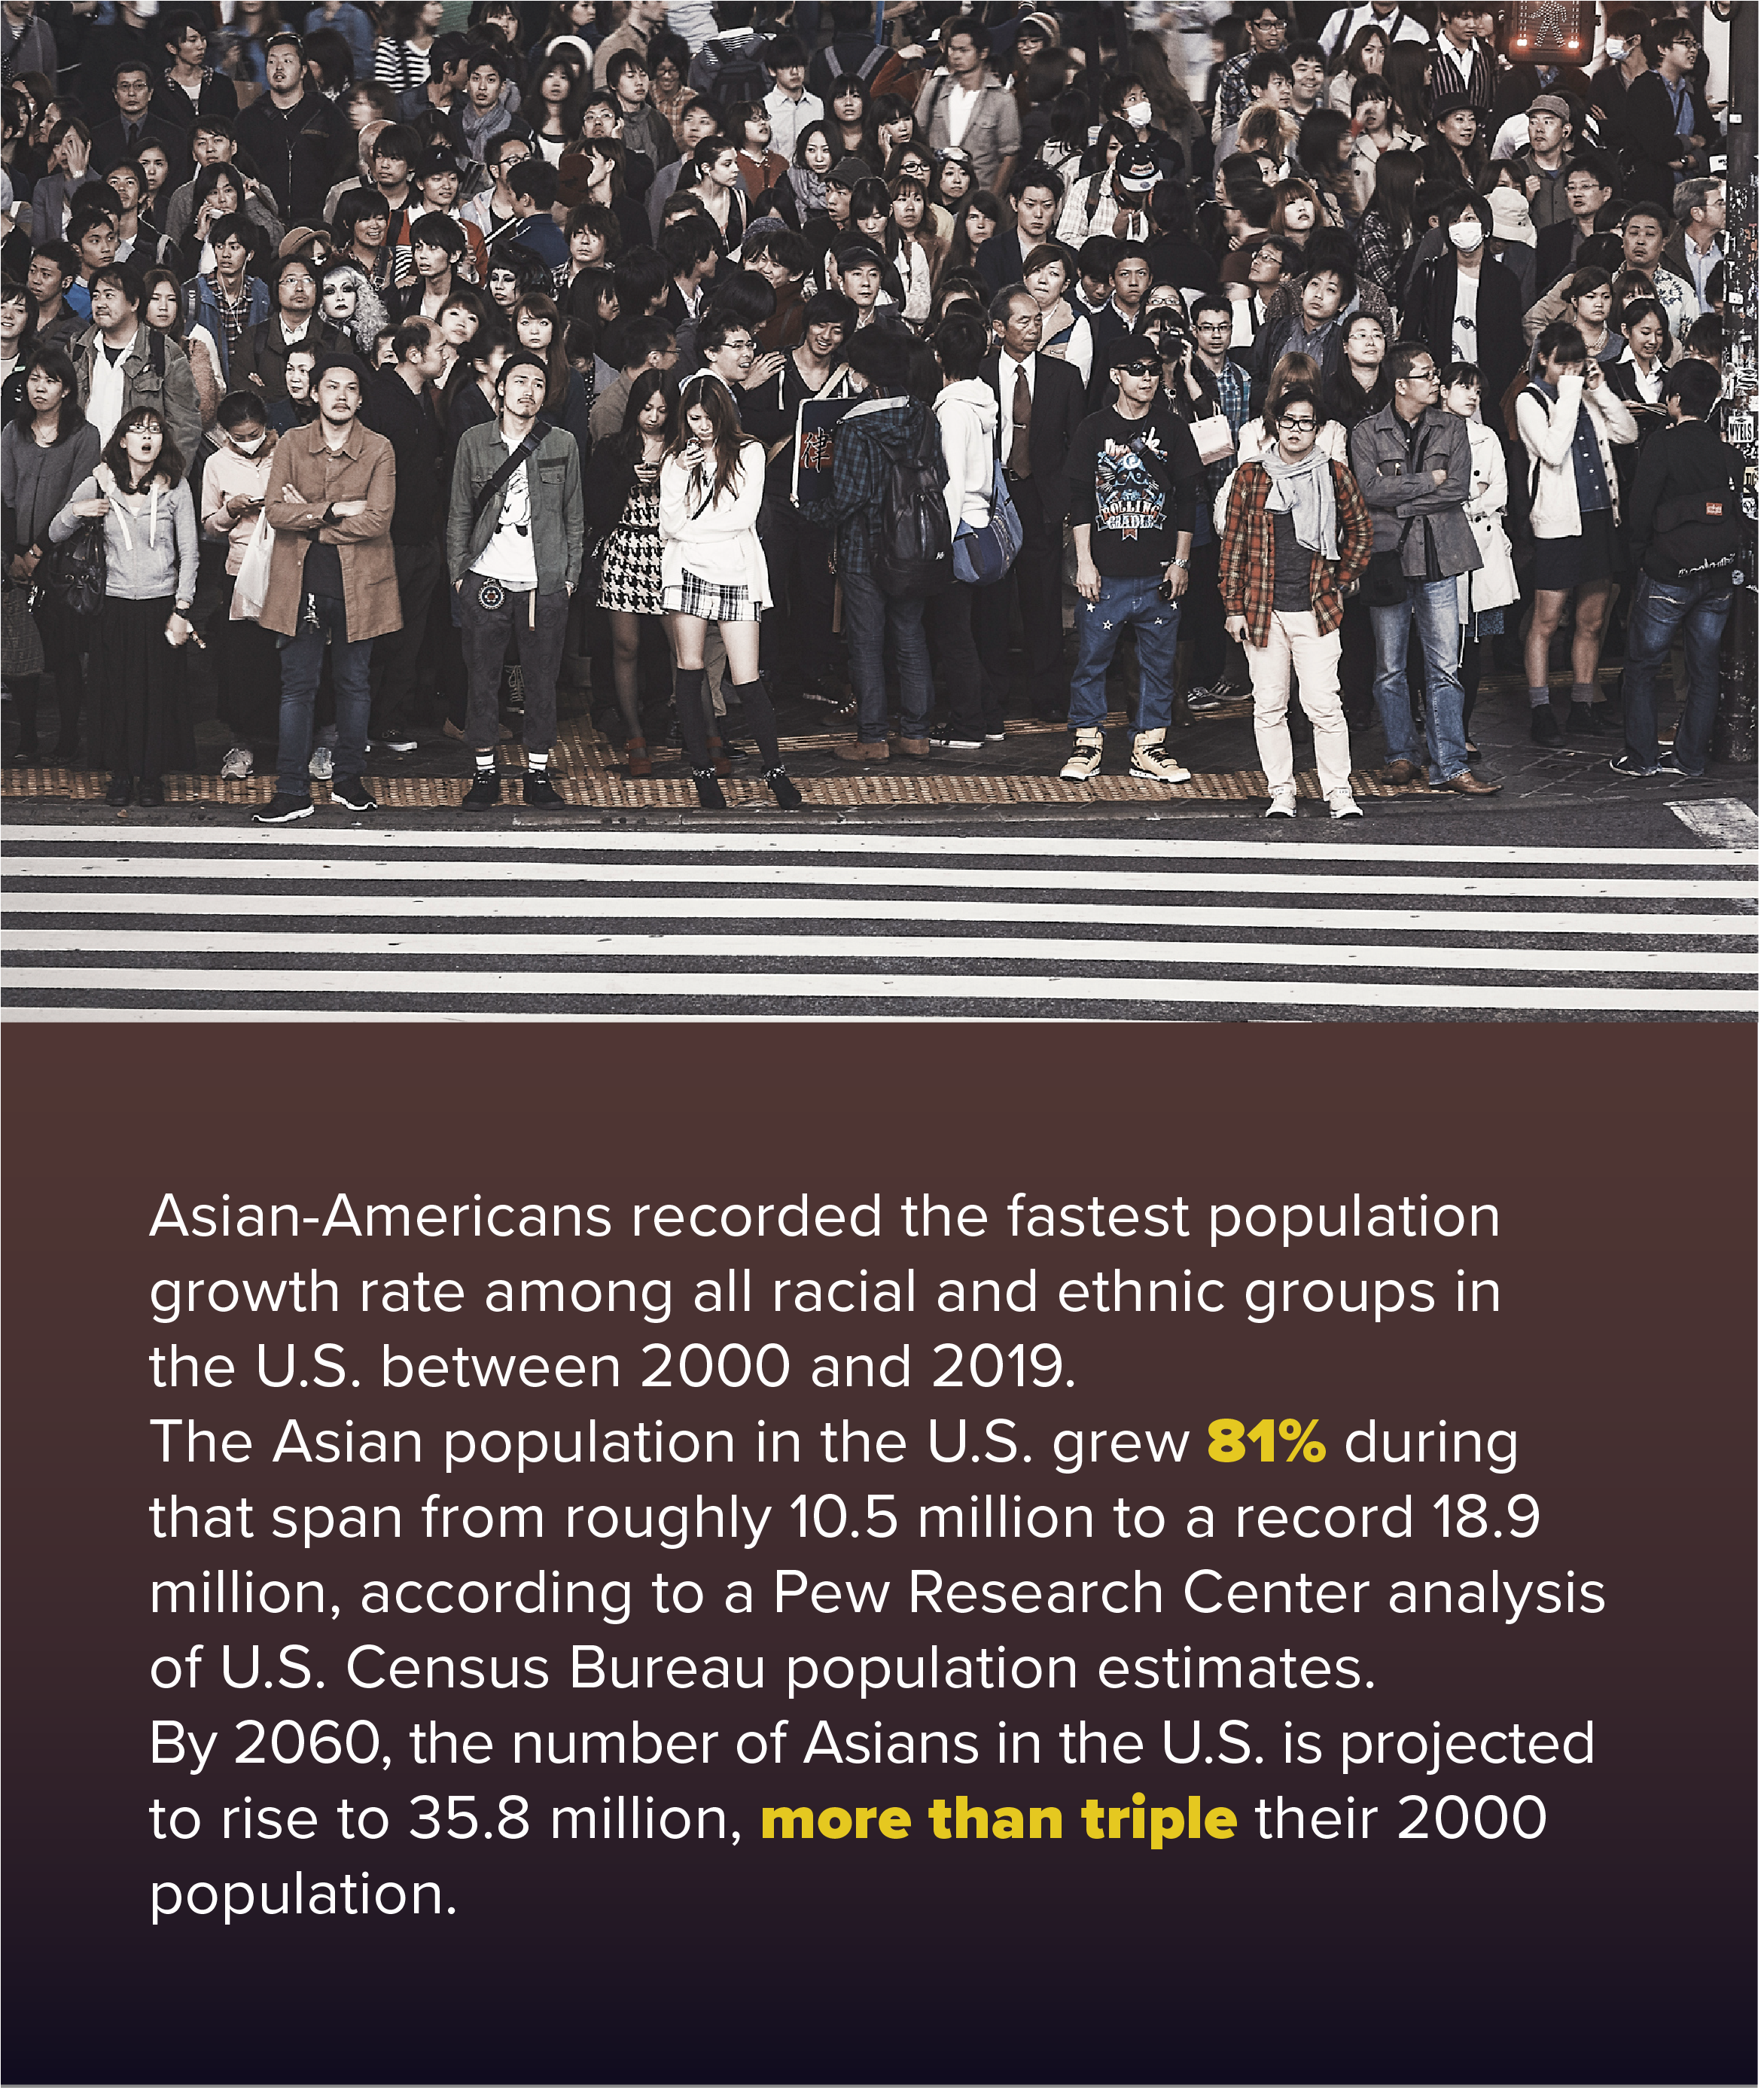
1297,427
1422,377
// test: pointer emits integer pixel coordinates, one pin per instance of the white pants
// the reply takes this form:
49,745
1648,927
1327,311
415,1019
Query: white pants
1293,643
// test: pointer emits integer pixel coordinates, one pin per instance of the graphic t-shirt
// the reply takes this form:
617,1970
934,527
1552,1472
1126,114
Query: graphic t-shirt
1134,482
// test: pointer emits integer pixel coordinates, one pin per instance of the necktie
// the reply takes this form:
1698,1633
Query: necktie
1019,426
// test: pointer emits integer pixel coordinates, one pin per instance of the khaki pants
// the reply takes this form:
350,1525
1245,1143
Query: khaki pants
1294,645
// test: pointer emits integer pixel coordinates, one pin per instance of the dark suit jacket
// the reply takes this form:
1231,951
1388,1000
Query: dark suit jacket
1056,408
107,146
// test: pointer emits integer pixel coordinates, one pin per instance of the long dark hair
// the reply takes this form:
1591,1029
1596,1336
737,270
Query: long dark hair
962,254
50,357
1393,191
150,282
168,464
713,395
628,444
535,305
533,110
882,108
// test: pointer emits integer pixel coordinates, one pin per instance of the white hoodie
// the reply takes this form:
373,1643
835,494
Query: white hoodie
967,421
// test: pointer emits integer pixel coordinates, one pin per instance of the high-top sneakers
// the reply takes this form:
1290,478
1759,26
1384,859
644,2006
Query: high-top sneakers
1151,761
1085,757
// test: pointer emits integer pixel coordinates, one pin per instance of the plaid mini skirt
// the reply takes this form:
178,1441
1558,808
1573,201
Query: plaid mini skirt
690,596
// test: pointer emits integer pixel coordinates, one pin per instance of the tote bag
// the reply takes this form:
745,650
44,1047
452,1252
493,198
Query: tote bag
252,584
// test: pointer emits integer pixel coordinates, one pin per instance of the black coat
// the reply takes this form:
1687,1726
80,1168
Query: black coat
1654,140
1056,408
1500,337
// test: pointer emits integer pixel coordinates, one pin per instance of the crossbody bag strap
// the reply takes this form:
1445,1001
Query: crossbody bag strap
783,443
505,471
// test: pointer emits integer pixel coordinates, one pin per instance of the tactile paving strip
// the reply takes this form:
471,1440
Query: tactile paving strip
586,766
606,789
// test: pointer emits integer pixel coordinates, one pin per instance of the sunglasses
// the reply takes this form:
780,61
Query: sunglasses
1143,368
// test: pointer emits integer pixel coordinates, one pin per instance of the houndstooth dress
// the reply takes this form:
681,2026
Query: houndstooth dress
630,577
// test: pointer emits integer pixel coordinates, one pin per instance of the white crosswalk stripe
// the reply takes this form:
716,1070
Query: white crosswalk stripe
190,922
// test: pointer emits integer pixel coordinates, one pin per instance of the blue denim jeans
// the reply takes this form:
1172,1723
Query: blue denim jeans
303,658
1433,606
1123,604
871,618
1699,607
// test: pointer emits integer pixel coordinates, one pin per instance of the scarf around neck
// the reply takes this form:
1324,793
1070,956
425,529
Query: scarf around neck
1306,491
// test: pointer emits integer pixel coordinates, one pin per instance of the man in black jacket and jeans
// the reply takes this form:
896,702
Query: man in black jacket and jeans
399,406
1684,537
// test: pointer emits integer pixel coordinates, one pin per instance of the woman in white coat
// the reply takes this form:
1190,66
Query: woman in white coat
1568,419
1483,596
713,571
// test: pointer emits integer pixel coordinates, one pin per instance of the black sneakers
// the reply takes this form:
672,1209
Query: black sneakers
283,811
486,791
538,789
353,795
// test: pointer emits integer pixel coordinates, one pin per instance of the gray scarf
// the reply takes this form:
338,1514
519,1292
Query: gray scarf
1306,491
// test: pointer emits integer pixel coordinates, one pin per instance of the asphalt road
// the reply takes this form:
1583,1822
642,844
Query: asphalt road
1422,911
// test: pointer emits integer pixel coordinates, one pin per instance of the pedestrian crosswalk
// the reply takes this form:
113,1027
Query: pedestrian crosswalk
197,923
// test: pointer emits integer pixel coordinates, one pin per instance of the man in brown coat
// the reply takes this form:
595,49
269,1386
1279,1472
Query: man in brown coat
333,574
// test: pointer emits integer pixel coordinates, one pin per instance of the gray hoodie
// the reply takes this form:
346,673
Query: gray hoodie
151,547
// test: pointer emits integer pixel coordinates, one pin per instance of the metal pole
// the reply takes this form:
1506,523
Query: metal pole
1735,732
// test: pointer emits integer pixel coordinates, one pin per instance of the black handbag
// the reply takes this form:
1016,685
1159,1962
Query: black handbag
73,572
1384,583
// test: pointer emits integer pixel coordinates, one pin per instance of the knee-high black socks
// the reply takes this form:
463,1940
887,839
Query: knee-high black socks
757,713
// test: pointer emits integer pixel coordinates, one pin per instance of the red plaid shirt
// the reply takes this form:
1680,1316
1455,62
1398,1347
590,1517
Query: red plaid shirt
1246,551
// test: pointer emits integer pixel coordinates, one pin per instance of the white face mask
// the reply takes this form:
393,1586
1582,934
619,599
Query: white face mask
1138,113
248,448
1616,48
1467,236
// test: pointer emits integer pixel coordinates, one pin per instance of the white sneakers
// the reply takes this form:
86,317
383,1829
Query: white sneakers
1085,757
1151,762
237,765
1282,804
319,767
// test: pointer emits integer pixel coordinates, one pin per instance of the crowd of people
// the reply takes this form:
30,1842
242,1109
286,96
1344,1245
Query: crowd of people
758,352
